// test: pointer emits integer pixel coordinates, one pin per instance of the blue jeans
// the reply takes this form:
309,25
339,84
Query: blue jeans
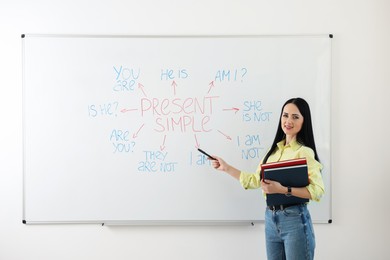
289,234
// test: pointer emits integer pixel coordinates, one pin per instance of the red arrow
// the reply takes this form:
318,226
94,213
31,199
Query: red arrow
227,137
174,85
136,134
211,85
233,108
128,110
162,147
141,87
197,143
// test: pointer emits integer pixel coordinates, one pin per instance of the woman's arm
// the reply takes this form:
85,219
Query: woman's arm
221,165
272,187
247,180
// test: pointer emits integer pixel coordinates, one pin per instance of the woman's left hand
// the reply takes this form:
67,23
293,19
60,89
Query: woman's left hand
272,187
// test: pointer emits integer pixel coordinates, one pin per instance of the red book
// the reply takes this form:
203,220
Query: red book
281,164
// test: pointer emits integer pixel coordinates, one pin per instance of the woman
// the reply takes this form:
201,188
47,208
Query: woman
288,229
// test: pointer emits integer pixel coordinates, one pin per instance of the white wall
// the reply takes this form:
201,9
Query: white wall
361,73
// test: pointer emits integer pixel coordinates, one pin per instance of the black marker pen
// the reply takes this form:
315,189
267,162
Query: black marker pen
212,158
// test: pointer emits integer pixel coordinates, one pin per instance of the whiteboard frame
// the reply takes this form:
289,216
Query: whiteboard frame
169,222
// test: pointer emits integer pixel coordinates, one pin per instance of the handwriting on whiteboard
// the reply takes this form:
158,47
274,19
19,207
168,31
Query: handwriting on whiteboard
177,113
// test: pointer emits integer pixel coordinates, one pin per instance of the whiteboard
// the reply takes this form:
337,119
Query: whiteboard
111,124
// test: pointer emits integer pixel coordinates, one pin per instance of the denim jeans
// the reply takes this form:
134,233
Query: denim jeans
289,234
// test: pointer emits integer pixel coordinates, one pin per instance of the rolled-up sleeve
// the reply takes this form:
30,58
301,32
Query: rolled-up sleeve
316,184
250,180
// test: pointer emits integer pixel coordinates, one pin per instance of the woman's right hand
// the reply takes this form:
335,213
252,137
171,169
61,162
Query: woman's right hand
219,164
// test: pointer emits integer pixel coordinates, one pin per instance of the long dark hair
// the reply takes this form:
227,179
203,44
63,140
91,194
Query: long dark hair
305,136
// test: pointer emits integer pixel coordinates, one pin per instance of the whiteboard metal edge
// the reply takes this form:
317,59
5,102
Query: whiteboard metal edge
177,35
151,222
23,131
330,128
159,223
70,222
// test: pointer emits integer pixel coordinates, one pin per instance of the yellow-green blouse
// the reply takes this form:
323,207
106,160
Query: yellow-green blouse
293,150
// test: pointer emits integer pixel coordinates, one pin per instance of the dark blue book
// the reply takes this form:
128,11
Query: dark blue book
290,173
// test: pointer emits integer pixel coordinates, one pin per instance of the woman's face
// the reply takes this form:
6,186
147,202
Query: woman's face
292,120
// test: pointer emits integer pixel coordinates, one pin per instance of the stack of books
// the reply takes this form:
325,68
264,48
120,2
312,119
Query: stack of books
289,173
